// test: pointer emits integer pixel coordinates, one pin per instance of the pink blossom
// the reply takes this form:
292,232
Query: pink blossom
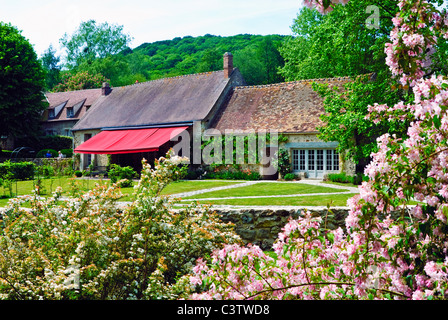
418,295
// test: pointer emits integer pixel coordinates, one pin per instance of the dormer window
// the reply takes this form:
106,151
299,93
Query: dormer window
54,112
70,112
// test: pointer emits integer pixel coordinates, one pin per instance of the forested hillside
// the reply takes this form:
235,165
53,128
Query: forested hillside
256,56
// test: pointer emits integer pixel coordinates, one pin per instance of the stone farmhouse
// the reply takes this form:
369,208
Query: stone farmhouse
65,109
137,121
126,124
293,109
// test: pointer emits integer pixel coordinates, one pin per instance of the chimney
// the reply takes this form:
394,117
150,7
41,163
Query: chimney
228,64
105,89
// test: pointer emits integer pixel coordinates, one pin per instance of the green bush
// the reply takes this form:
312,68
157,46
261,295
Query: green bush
344,178
43,152
283,162
17,170
47,142
117,173
45,171
78,173
233,175
290,176
68,153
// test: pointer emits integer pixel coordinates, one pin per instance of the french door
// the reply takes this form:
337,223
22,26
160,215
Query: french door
315,162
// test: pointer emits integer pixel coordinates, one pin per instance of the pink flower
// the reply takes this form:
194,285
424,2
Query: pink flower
418,295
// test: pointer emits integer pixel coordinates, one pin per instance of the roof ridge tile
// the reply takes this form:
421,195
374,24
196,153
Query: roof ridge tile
173,77
293,82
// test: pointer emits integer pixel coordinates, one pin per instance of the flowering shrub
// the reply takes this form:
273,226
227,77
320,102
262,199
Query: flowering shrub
79,81
390,249
89,247
231,172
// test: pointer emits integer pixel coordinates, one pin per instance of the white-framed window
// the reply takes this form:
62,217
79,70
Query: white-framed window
302,160
315,160
320,160
311,160
295,160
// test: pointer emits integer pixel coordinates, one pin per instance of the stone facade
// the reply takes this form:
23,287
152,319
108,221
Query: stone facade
262,226
100,161
58,128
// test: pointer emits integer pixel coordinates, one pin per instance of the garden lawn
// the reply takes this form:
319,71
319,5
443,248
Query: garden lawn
338,200
20,188
268,189
194,185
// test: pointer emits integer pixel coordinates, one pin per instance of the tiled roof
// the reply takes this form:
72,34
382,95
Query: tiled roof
168,100
79,100
289,107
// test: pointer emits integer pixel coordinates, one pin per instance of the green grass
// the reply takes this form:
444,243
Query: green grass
268,189
26,187
260,189
50,185
329,183
319,200
193,185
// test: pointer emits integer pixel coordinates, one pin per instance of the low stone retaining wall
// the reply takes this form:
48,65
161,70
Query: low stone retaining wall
262,226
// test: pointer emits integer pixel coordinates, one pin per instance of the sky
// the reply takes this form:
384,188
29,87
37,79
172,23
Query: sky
44,22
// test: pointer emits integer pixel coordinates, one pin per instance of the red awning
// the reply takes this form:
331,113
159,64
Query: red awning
129,141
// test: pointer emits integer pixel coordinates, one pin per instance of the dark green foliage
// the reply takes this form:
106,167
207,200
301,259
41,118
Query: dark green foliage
338,43
68,153
257,57
22,82
232,175
289,176
283,162
42,153
17,170
47,142
344,178
50,63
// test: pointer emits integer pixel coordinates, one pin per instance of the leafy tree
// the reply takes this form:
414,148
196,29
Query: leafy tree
251,68
340,44
117,68
271,59
50,63
345,115
259,62
93,40
211,61
256,56
22,81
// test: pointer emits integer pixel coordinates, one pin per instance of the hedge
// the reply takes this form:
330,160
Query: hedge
344,178
42,153
19,170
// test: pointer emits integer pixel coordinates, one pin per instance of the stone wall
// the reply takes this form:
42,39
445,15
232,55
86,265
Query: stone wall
262,226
